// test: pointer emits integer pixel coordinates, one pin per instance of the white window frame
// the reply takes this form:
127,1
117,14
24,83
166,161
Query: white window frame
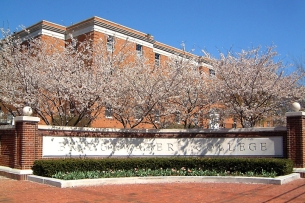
110,43
214,120
139,49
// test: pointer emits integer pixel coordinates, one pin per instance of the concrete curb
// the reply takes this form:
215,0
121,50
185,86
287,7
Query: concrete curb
15,171
15,174
165,179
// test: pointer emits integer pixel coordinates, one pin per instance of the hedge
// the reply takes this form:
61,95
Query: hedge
48,168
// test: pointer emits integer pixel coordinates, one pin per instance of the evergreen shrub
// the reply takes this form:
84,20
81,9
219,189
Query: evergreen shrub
48,168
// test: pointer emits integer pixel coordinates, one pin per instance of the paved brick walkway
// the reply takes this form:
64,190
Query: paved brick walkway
25,191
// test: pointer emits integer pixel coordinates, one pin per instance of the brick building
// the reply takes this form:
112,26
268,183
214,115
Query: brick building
97,28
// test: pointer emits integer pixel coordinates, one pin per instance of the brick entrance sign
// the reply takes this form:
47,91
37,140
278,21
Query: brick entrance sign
22,144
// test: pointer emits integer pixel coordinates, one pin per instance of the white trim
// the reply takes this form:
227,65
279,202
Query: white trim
298,170
164,53
44,32
53,34
205,65
31,35
97,28
80,32
293,114
108,21
26,118
15,171
122,36
168,54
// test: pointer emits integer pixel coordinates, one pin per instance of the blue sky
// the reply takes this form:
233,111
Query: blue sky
201,24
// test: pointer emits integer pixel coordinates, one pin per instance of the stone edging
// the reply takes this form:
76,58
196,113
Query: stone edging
166,179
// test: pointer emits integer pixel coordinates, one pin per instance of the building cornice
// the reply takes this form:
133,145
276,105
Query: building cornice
42,27
92,23
97,24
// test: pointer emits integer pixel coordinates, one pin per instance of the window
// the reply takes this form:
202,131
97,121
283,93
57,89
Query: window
157,59
157,116
268,124
72,110
139,49
212,72
178,117
108,111
194,96
29,46
196,119
110,43
214,120
138,113
75,44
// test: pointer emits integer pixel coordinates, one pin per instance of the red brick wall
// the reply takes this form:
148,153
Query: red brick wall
21,146
296,140
26,144
7,147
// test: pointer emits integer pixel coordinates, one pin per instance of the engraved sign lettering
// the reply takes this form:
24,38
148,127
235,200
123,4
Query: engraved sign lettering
89,146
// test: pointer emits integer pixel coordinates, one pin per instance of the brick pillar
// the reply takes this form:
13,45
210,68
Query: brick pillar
296,138
27,132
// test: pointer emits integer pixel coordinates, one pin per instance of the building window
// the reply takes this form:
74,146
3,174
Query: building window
212,72
139,49
178,117
72,110
108,111
157,116
74,44
157,59
138,113
196,119
110,43
214,120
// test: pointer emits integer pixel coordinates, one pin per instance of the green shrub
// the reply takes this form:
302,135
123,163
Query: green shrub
48,168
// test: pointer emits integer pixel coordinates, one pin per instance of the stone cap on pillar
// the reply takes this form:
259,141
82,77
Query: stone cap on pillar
26,119
295,107
294,114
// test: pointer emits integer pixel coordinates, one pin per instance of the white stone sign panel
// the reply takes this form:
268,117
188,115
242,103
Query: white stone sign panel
88,146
